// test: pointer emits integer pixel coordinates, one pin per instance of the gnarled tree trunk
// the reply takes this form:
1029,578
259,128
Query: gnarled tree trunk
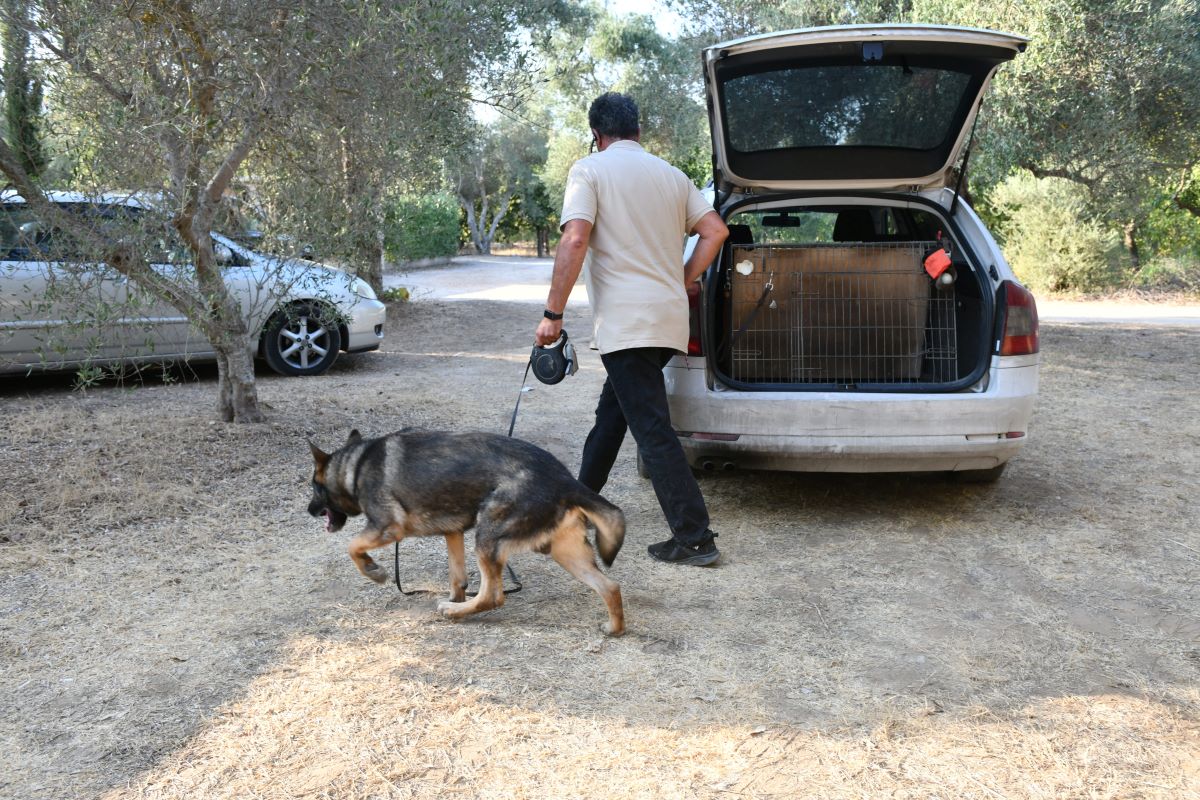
1131,246
224,325
237,399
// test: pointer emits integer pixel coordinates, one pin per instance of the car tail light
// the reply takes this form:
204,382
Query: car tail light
1019,336
694,346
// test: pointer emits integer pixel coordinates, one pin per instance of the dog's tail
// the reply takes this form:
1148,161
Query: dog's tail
610,526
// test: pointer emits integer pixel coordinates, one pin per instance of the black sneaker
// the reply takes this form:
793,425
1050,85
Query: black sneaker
673,552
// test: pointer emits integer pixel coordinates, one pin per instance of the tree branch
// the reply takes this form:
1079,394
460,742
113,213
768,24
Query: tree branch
117,255
79,61
1044,172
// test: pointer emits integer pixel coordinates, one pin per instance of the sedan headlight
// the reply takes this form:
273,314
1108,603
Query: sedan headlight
362,289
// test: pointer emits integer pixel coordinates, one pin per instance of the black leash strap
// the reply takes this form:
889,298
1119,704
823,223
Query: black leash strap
517,407
518,586
511,573
746,323
396,572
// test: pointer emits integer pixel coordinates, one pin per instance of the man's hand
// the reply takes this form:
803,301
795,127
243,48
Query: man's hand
548,331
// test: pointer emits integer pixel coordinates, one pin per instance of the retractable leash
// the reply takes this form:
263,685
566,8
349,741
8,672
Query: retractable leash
550,364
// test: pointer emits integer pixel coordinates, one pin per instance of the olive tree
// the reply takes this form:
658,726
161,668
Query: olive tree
396,102
601,51
178,97
496,171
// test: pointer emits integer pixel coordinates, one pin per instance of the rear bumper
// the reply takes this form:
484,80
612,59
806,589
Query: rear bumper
847,432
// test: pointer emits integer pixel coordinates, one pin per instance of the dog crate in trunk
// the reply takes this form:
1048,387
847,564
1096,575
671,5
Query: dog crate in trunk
842,314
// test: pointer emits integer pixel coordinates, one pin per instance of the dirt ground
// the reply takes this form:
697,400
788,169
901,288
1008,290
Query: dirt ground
174,625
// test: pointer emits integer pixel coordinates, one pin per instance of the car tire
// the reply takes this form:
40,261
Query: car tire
302,339
979,475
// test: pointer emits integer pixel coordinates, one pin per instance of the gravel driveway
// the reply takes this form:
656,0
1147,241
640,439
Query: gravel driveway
173,624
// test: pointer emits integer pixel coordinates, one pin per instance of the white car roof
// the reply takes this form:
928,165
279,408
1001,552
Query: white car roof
111,198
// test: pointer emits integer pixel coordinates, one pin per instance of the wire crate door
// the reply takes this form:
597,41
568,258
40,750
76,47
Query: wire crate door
834,313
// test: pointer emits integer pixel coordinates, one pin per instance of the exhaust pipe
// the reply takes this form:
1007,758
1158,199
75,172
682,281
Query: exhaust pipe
729,466
707,466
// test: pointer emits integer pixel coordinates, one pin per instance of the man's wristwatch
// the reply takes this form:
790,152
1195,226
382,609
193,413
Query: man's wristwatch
548,314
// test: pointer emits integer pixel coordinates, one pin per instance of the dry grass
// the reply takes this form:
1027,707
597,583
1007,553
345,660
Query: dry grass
172,624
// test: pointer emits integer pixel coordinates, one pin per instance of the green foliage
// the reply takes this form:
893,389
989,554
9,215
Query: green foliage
496,180
606,52
395,294
727,19
1106,95
1170,273
1048,237
22,91
1171,231
564,150
421,226
1172,228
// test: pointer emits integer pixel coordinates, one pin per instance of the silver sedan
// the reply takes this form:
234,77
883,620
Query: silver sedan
60,310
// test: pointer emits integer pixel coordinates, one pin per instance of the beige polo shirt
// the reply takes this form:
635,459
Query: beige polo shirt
641,209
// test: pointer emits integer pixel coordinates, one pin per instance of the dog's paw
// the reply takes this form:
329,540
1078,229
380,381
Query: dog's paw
609,629
449,609
376,573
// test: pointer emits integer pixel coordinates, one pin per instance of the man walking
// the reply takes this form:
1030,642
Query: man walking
632,211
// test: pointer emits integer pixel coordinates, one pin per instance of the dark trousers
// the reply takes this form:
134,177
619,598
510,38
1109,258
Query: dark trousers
634,398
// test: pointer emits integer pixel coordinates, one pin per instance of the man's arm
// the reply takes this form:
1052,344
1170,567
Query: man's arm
712,232
568,261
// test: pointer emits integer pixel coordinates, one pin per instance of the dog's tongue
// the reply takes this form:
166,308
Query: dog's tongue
328,521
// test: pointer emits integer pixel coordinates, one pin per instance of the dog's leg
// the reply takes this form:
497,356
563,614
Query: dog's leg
491,590
369,540
458,567
569,547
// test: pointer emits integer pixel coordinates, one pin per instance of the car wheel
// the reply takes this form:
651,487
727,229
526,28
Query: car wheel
979,475
302,339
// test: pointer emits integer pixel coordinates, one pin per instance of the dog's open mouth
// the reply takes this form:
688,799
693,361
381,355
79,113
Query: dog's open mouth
334,520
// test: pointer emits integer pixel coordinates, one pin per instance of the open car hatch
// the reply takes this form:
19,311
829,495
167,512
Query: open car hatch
855,107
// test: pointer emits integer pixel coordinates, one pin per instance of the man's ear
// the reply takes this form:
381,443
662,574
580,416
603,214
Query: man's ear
355,436
319,455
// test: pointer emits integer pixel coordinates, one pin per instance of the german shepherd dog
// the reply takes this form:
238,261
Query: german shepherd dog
516,496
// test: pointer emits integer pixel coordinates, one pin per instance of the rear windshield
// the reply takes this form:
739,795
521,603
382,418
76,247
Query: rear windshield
915,108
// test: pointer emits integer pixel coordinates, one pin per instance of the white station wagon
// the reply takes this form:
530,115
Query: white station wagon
860,318
59,309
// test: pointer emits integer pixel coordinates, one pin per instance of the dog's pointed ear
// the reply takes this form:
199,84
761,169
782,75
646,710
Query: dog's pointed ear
319,455
355,437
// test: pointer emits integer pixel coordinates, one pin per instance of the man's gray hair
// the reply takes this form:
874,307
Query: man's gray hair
614,115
